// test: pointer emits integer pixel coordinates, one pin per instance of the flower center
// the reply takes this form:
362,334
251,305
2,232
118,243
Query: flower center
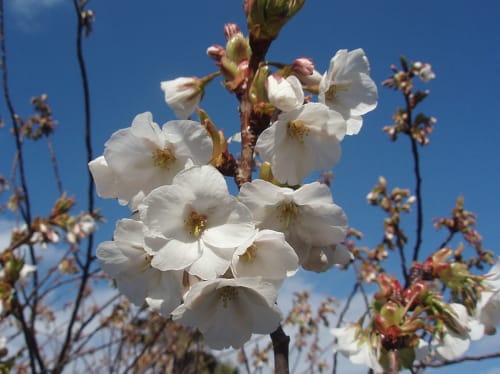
147,262
227,294
250,254
196,223
297,129
287,212
163,158
331,93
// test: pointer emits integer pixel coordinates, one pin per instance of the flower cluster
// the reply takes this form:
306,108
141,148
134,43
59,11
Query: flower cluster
417,323
193,251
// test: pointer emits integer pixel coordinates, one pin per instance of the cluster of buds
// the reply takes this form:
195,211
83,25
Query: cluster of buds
463,222
40,124
393,203
422,125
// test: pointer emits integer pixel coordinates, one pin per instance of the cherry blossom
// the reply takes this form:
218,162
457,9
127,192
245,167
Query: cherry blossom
307,216
183,95
229,311
320,259
302,141
140,158
356,347
194,224
267,255
285,94
128,261
346,87
488,305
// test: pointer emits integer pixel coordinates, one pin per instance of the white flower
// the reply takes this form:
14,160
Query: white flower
195,224
452,344
310,80
347,88
25,273
182,95
128,261
488,306
285,94
307,216
140,158
356,347
302,141
228,311
423,71
321,259
267,255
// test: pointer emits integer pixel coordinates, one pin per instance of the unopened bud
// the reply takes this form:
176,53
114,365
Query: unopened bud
216,52
303,66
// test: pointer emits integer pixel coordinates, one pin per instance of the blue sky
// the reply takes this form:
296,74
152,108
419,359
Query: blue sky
135,45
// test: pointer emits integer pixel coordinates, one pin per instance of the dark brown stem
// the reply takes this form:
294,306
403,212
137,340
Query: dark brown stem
418,179
281,342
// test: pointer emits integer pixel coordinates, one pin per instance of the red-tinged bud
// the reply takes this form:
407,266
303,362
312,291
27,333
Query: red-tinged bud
238,48
231,29
389,287
303,66
216,52
266,18
413,295
393,313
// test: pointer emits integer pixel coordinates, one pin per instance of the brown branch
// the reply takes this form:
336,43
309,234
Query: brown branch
460,360
281,342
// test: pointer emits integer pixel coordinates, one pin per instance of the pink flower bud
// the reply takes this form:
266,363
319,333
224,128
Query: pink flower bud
303,66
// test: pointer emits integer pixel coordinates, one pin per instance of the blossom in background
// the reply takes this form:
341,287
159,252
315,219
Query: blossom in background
307,216
346,87
267,255
488,305
128,261
183,95
302,141
194,224
229,311
140,158
423,71
285,94
356,347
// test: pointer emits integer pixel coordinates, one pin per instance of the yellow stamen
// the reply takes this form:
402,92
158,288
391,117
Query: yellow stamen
297,129
331,93
287,213
250,254
196,223
163,158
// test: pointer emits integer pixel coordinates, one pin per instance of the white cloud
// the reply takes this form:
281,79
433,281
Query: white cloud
27,12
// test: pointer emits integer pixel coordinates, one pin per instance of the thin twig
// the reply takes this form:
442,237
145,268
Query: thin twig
418,180
460,360
24,208
55,166
61,361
